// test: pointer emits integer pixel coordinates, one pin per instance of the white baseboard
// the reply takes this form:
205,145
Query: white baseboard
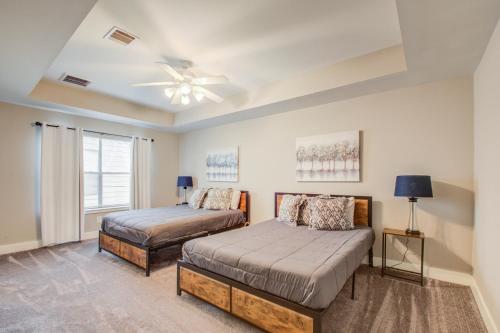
90,235
485,312
31,245
19,247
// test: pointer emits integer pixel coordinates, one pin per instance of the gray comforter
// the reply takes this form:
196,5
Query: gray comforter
158,225
308,267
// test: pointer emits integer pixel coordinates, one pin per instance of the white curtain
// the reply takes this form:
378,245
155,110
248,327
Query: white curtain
141,174
61,187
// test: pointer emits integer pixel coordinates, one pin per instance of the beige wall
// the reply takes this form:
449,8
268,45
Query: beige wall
487,176
18,189
420,130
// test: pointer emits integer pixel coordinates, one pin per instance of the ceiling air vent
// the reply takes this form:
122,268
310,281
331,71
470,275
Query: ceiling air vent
120,36
74,80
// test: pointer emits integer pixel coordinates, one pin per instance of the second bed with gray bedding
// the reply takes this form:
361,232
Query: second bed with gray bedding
308,267
155,226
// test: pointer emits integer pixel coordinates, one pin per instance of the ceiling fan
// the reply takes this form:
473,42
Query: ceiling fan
186,85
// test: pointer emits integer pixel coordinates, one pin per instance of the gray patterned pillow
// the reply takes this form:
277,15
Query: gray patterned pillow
197,198
349,213
331,214
218,199
305,212
289,209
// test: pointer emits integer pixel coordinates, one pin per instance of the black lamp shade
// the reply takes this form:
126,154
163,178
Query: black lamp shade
184,181
413,187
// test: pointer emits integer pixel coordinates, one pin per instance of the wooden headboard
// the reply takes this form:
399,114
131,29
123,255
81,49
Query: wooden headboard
362,208
245,205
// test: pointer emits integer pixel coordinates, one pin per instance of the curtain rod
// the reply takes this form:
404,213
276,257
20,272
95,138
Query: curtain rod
72,128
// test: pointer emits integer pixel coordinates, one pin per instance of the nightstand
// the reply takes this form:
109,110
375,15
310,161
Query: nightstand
393,271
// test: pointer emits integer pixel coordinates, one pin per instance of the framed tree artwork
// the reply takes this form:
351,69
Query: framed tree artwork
328,158
222,165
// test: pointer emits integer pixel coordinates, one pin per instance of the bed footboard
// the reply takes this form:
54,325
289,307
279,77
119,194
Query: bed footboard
264,310
134,253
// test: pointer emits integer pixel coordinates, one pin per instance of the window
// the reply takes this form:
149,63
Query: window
106,164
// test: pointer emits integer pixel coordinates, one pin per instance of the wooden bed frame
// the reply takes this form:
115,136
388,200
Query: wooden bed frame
260,308
141,255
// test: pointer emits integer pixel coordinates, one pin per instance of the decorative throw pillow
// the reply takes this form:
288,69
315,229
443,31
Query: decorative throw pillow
218,199
351,205
330,214
289,209
235,199
197,198
305,211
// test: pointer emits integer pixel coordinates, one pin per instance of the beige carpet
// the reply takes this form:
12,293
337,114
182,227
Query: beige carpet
73,288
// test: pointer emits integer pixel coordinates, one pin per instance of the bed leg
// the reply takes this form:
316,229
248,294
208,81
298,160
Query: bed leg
179,292
317,324
148,262
353,284
370,257
99,243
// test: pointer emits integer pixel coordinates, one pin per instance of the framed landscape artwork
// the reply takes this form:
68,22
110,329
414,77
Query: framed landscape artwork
222,165
328,158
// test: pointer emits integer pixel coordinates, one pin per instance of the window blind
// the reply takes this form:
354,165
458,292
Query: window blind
107,165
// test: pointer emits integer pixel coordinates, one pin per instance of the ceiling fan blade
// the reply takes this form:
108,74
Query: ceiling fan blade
172,72
154,84
209,80
208,94
176,99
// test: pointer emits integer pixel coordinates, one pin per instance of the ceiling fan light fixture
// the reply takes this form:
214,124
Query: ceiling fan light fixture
185,88
169,92
199,96
185,100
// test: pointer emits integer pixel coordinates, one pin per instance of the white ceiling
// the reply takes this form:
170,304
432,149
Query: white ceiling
278,53
442,39
253,43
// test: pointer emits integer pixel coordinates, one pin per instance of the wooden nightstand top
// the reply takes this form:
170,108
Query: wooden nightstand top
398,232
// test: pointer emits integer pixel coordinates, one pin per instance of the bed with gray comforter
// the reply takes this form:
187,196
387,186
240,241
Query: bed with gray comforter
304,266
154,226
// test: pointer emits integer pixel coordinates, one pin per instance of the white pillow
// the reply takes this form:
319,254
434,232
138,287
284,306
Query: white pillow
289,209
197,197
351,205
235,199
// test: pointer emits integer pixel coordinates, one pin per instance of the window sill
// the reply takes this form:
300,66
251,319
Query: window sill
106,210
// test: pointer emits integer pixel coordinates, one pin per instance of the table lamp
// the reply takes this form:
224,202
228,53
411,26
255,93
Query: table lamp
185,182
413,187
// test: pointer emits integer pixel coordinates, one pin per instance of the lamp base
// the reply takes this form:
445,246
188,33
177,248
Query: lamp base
412,232
412,221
